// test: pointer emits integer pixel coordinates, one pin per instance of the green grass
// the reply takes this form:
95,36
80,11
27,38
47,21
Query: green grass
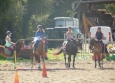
54,57
50,56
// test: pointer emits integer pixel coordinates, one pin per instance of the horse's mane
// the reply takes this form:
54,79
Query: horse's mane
17,43
73,43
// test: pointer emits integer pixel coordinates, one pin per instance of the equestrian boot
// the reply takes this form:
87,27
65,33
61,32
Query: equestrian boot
34,49
35,46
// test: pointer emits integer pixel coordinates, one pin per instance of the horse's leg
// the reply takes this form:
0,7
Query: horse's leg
32,61
99,60
39,62
69,60
102,63
32,57
43,58
65,59
74,61
95,60
36,58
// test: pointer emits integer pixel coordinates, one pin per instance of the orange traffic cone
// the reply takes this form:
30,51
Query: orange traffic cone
16,80
44,73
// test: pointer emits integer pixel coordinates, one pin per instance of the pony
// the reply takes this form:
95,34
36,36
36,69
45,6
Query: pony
96,47
40,51
19,44
72,49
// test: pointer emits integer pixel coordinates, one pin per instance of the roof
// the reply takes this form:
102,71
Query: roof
63,18
94,1
100,26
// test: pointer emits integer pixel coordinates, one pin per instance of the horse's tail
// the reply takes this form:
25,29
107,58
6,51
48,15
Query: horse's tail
60,51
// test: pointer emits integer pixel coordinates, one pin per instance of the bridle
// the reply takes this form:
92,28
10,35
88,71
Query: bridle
22,44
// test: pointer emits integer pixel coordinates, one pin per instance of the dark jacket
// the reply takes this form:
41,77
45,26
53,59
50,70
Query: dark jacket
99,35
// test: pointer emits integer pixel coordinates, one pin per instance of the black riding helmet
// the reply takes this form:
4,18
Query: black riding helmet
99,28
70,28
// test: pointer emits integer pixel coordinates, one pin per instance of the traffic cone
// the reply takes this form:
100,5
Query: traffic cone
16,80
44,73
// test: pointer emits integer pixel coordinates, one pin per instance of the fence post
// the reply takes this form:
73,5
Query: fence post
64,36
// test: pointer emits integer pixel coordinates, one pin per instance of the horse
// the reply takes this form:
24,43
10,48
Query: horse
40,51
97,51
72,49
19,44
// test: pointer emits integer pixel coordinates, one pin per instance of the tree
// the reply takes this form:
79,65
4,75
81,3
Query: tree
37,11
110,8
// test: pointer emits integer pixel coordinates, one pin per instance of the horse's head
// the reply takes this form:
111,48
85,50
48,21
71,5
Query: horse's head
43,41
20,43
42,44
92,43
74,43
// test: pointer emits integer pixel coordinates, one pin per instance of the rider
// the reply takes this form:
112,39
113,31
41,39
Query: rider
69,36
99,36
40,33
9,43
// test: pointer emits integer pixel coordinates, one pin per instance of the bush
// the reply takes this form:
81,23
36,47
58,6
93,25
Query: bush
113,57
108,58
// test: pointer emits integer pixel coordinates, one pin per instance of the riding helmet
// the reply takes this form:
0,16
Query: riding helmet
39,26
99,28
70,27
8,32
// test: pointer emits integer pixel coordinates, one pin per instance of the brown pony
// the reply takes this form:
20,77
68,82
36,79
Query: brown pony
97,51
40,51
19,44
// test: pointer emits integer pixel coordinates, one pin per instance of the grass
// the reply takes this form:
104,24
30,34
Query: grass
50,56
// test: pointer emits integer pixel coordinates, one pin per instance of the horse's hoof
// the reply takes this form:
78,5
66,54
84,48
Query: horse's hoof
67,67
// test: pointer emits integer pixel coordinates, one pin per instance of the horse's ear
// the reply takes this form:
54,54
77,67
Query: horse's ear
22,39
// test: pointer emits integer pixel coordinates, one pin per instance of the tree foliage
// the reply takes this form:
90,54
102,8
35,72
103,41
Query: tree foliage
110,8
22,16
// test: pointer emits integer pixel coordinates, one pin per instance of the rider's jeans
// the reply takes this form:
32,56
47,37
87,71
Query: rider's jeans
35,44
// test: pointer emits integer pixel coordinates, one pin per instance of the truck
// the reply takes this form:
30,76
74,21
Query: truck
56,35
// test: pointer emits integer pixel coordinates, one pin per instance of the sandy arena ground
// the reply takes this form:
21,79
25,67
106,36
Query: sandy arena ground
84,73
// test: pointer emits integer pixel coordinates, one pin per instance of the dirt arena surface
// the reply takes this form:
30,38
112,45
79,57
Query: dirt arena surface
83,73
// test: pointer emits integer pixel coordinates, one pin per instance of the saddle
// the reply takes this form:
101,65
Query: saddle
9,50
